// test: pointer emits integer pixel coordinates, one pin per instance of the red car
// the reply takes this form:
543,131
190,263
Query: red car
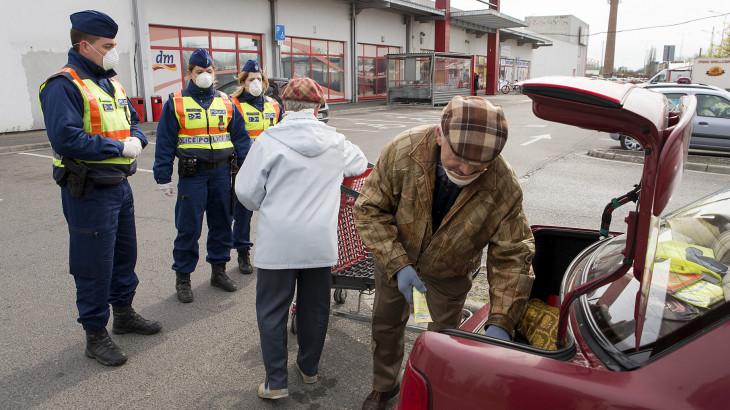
662,280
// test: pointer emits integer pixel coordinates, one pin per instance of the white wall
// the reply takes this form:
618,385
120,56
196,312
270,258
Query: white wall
560,59
34,44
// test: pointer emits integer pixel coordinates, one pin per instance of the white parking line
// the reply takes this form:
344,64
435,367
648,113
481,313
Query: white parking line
50,157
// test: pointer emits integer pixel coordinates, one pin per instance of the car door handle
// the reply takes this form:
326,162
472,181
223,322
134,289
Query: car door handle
702,123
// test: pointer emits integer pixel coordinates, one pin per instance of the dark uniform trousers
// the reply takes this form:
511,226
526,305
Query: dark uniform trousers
274,294
445,299
102,250
206,194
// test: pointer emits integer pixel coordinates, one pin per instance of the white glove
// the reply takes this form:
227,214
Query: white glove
167,189
132,147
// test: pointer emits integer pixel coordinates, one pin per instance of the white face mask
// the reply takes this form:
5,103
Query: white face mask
110,59
255,88
204,80
461,180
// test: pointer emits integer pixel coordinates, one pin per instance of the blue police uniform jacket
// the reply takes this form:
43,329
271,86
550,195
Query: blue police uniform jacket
169,127
63,107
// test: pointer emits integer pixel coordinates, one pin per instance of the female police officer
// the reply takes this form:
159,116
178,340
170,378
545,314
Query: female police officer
201,127
259,112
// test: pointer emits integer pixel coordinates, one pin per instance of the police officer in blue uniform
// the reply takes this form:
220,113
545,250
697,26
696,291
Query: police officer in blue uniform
259,112
95,138
205,131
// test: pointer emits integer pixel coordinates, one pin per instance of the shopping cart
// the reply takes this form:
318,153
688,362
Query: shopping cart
354,268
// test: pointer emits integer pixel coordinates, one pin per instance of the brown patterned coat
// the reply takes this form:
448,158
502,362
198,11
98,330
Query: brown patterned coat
393,217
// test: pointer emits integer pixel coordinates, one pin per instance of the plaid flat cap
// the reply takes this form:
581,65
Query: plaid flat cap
303,89
475,128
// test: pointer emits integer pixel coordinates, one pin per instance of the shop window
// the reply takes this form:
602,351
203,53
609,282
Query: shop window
171,48
249,42
320,60
223,40
194,38
372,70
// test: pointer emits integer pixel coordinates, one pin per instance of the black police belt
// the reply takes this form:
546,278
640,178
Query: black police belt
205,166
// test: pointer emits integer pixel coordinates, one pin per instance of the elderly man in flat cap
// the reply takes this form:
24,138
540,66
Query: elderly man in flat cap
95,138
438,195
292,177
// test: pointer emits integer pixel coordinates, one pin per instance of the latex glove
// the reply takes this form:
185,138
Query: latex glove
497,333
132,147
407,278
168,188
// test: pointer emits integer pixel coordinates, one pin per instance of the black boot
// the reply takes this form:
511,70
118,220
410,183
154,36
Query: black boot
100,346
219,278
126,320
244,261
182,285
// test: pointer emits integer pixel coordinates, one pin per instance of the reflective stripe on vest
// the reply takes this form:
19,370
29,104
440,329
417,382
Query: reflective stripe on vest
104,115
204,130
257,121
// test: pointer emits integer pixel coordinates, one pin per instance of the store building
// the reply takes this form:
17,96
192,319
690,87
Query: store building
342,44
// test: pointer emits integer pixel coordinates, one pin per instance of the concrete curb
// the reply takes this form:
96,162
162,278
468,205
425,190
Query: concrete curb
638,159
24,147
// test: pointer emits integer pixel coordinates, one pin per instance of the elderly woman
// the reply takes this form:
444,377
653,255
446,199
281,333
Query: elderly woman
203,129
259,112
292,177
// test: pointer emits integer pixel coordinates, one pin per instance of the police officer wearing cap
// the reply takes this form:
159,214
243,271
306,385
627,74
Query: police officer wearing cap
95,139
205,131
259,112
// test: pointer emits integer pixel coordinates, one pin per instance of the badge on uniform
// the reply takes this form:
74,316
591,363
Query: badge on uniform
253,119
269,115
108,106
122,102
194,116
221,124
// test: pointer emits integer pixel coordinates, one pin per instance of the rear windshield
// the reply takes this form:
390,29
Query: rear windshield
689,258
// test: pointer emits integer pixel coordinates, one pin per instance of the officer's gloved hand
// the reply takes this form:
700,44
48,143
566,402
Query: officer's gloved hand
132,147
407,278
497,333
167,189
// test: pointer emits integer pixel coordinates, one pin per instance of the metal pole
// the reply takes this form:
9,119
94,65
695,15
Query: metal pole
139,77
353,53
275,47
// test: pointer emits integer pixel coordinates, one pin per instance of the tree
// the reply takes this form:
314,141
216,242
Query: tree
722,48
650,64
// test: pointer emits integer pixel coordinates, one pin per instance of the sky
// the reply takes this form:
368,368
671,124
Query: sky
632,47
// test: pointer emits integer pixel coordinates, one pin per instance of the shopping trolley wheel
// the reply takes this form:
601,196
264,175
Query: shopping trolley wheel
340,296
293,325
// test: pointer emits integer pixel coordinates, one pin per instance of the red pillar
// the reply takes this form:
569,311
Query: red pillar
491,83
492,80
443,27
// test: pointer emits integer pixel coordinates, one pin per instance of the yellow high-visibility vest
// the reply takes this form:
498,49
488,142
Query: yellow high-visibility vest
203,133
104,115
257,121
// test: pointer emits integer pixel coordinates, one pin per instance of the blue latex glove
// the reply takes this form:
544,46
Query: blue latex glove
407,278
497,333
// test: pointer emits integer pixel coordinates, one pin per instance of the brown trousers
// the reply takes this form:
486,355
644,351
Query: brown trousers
445,299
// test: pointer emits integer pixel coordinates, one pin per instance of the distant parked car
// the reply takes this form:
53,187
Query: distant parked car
276,86
634,320
711,125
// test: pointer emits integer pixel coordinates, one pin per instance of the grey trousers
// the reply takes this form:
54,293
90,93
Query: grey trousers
274,294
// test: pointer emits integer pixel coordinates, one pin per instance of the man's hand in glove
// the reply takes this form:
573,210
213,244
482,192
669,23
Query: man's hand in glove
132,147
407,278
168,188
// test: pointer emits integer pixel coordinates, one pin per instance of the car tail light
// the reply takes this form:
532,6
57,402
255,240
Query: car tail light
415,394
